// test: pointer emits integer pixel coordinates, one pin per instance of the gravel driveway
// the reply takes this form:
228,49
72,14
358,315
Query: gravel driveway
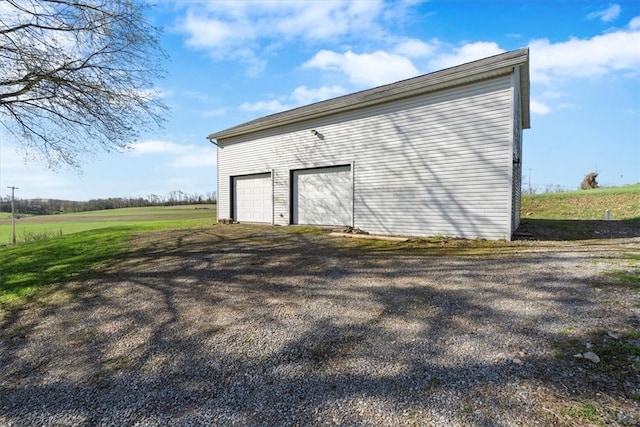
240,325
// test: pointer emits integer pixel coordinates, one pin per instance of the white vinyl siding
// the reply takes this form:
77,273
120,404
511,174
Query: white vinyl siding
435,164
322,196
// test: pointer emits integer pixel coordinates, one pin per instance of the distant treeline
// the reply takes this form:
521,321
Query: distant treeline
55,206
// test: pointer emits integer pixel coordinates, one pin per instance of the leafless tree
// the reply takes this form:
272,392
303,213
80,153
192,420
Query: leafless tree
77,76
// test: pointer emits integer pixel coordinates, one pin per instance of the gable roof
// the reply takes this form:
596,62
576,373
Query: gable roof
492,66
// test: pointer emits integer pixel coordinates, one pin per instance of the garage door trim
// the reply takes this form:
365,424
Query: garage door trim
234,197
293,196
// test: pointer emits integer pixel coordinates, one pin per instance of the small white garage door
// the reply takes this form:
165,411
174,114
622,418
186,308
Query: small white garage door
322,196
252,198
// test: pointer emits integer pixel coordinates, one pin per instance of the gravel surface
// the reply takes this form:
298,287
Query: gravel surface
260,326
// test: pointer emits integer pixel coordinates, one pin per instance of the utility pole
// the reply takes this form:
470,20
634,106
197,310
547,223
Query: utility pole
13,213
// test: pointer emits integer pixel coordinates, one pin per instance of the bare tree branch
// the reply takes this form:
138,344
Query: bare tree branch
77,76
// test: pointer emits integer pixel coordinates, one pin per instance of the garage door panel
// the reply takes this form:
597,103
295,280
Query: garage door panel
323,196
252,198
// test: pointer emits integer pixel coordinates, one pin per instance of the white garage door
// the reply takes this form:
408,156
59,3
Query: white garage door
322,196
252,198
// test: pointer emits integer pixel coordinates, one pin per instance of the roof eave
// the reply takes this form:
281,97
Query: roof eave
466,73
525,93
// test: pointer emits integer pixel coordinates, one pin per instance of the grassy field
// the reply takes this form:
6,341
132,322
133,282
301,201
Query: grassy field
26,268
623,203
66,246
60,247
35,227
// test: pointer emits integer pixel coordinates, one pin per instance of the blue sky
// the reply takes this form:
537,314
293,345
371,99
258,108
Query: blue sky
234,61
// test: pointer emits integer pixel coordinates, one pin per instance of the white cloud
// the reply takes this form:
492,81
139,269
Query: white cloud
467,53
549,94
205,31
538,107
634,24
214,113
155,146
302,95
31,178
599,55
272,106
609,14
325,20
42,179
200,96
414,48
367,69
244,31
147,94
181,156
292,19
224,38
548,101
200,157
165,93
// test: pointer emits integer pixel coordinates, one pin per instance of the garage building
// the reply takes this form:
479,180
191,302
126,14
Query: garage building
438,154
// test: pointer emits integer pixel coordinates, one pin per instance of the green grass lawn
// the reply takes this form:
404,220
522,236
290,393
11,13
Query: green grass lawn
623,203
34,227
30,266
67,246
150,211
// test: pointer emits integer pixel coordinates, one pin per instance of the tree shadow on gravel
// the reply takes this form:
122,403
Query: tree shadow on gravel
567,230
256,326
